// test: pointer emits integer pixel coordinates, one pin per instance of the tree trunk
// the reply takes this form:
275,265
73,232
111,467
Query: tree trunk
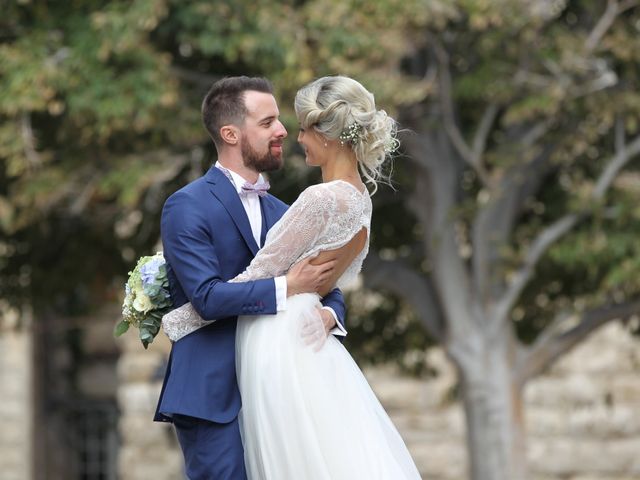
493,408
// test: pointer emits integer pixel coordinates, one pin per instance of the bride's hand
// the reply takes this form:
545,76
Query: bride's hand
315,329
328,320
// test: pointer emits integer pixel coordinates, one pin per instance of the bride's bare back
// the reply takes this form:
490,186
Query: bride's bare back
344,256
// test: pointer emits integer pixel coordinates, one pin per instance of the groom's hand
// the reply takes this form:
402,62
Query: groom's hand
304,277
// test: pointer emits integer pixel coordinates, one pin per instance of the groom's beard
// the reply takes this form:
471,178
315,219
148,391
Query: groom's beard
265,162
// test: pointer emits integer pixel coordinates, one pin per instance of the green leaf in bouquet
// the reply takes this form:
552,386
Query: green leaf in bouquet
151,290
162,272
151,326
146,337
159,298
120,328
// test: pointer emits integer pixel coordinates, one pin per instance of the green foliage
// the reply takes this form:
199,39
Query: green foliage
99,110
99,122
382,330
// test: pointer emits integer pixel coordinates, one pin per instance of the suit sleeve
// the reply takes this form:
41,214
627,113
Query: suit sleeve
335,300
189,249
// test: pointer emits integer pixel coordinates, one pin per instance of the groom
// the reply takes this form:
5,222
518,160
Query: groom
211,229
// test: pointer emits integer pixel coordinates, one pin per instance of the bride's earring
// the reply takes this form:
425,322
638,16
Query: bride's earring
325,144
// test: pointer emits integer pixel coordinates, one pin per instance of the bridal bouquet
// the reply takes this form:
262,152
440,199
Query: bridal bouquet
146,299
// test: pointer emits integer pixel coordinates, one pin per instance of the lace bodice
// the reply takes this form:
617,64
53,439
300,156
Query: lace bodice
324,217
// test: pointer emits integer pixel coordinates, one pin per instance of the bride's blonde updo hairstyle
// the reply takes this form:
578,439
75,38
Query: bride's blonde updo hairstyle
340,108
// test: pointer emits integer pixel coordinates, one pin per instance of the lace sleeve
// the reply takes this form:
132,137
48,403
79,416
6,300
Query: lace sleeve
293,237
289,239
324,217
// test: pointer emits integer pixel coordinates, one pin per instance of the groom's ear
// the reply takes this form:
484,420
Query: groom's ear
230,134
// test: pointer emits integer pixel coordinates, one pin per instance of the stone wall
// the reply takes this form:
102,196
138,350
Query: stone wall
583,417
148,449
16,395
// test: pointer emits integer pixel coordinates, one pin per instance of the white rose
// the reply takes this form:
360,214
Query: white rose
142,303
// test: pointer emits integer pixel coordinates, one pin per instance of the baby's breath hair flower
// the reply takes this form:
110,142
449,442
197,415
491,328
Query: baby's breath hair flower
391,146
352,134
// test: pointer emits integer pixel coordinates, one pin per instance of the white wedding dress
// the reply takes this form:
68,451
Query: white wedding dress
307,414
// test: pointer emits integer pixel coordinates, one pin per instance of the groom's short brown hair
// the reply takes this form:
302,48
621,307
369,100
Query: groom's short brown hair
224,103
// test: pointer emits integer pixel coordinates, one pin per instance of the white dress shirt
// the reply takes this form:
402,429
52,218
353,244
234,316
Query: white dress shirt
251,204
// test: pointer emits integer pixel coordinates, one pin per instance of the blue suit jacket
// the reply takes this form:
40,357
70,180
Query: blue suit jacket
207,241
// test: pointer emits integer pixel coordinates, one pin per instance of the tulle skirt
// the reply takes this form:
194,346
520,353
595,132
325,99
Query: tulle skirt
310,415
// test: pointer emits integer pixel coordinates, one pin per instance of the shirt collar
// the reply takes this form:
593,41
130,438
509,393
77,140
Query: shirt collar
238,180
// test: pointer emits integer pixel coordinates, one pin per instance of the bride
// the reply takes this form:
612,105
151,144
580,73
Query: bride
308,412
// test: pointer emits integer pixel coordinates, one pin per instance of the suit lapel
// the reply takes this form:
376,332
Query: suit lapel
225,192
269,215
263,228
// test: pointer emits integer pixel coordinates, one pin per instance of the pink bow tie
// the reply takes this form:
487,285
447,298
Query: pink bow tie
258,188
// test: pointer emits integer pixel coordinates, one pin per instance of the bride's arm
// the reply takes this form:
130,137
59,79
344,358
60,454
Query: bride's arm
291,237
294,237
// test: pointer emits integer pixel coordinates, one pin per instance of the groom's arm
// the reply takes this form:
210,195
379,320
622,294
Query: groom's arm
192,255
334,303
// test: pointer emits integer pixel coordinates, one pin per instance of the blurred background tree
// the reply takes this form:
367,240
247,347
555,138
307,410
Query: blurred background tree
510,235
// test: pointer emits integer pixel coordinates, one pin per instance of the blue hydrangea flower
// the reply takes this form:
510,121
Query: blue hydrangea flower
149,270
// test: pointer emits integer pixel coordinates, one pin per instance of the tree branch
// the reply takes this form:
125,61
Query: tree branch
622,157
535,133
538,248
419,150
33,157
82,199
620,139
550,347
398,278
493,224
482,132
448,117
434,200
614,8
561,227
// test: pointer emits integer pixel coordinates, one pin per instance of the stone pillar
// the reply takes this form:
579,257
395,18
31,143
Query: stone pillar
149,449
16,395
